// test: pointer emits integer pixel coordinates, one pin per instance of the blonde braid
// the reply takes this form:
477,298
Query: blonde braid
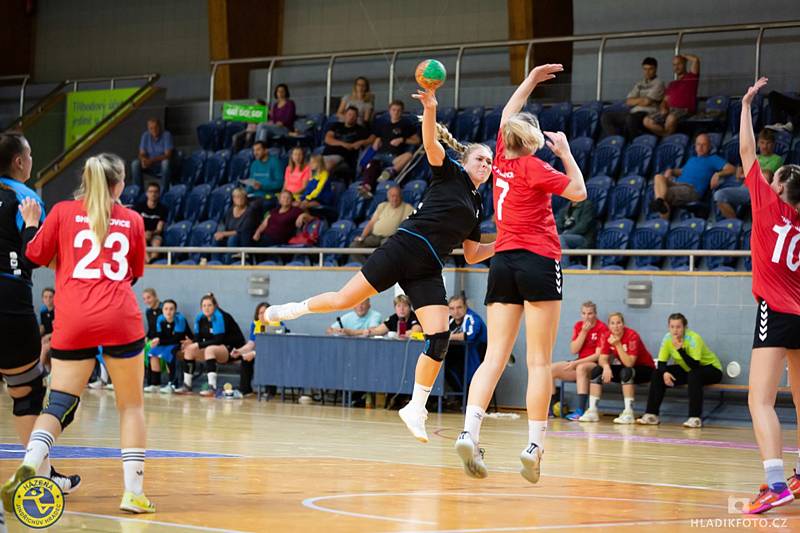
444,135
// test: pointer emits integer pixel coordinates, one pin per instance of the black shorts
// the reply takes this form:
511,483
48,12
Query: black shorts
518,276
19,335
774,329
641,374
407,260
123,351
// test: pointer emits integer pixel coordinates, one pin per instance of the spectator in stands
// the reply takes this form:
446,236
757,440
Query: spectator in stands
402,322
624,359
680,98
154,213
385,220
344,140
280,223
247,353
216,334
155,151
468,327
153,310
47,313
357,322
679,186
238,224
245,138
361,99
576,225
696,365
172,329
266,174
786,104
318,191
397,138
282,113
644,99
730,199
587,334
297,173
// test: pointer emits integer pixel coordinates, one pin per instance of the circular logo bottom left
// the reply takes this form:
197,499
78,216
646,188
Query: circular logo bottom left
38,502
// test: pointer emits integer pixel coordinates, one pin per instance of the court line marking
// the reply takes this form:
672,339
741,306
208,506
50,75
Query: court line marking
153,522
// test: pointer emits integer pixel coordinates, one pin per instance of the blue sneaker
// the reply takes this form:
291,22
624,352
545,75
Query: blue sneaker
575,415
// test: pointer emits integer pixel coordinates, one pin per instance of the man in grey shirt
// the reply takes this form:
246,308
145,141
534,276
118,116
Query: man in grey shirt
643,100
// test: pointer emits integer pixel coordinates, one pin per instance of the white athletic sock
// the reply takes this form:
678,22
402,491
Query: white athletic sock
287,311
133,467
773,471
38,448
103,374
536,431
44,468
629,404
593,401
420,396
472,422
212,380
187,380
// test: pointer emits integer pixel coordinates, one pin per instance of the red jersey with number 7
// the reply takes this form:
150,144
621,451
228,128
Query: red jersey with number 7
523,188
95,301
774,245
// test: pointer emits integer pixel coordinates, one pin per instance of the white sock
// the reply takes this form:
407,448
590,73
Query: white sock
187,380
593,401
133,467
288,311
536,431
103,374
420,395
44,468
38,448
629,404
212,380
472,422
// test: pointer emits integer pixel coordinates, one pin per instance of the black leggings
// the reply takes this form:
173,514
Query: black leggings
696,379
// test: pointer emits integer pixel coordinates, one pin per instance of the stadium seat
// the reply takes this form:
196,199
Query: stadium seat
413,191
614,236
646,139
684,235
192,167
173,199
177,234
219,201
337,236
618,140
446,116
487,200
214,170
735,111
722,235
534,108
605,160
681,139
748,261
783,142
240,166
556,117
468,124
649,235
351,205
379,196
207,135
491,123
637,159
794,155
616,106
231,129
488,227
584,122
558,203
202,234
195,203
581,148
625,198
713,116
597,189
730,151
668,156
130,195
545,154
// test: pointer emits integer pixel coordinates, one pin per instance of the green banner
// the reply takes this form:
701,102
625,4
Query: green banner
87,108
244,112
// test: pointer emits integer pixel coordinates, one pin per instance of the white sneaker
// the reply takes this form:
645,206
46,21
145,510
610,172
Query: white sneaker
648,419
591,415
415,421
95,385
151,388
108,386
290,311
531,458
471,455
693,422
167,389
625,417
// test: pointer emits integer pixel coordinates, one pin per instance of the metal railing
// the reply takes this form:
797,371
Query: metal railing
112,81
590,254
460,48
24,78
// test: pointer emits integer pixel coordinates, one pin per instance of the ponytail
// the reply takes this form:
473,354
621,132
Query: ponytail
100,174
463,150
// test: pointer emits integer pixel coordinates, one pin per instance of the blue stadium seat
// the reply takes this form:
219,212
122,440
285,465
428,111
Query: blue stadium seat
605,160
668,156
647,139
214,171
556,117
468,124
488,227
491,123
195,203
558,203
337,236
584,122
351,205
173,199
534,108
379,196
684,235
681,139
446,116
626,198
748,261
615,235
413,191
545,154
717,105
231,129
240,166
735,111
219,201
487,200
649,235
207,135
581,148
783,142
616,106
337,189
618,140
192,167
794,155
637,160
299,261
730,151
597,189
188,262
130,194
177,234
202,234
722,235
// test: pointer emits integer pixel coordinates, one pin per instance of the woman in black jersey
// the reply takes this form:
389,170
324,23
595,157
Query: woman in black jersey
21,212
448,216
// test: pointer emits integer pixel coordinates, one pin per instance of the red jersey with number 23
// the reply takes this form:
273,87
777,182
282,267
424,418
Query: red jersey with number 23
774,245
95,301
523,187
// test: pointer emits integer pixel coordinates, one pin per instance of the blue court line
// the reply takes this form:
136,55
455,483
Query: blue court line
15,451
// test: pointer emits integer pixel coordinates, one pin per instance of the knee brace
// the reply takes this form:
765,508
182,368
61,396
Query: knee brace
626,375
31,403
63,406
211,365
436,345
597,375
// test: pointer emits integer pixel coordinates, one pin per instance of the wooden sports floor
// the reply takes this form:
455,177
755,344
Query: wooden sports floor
220,465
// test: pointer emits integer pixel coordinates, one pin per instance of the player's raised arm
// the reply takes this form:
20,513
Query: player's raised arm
576,189
747,139
520,96
433,148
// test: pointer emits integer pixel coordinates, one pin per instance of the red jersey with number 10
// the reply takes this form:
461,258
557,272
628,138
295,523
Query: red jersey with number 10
774,245
523,187
95,301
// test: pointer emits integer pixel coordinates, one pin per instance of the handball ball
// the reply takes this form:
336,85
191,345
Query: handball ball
431,74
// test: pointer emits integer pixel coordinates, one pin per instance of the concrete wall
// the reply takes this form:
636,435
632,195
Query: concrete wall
719,308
